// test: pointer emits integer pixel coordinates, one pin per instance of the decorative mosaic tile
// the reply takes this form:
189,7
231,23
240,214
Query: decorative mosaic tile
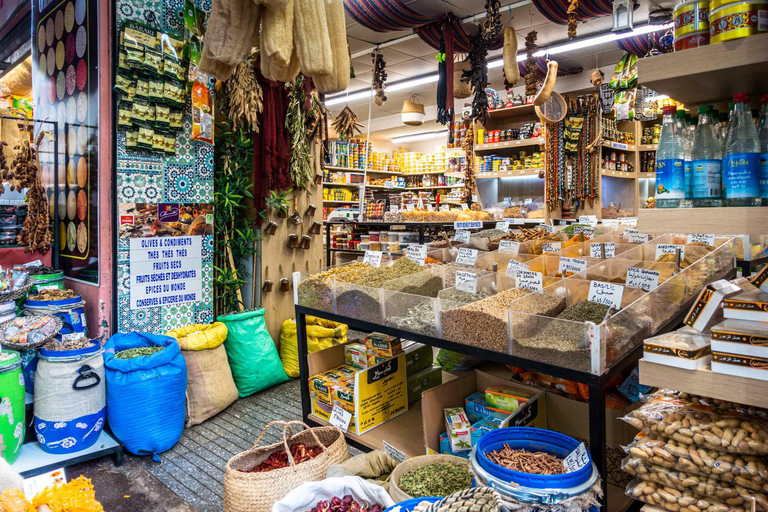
204,5
204,160
123,278
203,313
139,320
185,152
173,15
207,280
207,249
179,183
123,245
124,153
177,316
139,187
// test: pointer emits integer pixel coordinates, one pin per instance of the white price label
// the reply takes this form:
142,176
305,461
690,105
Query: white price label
35,263
611,223
464,206
596,250
707,239
340,418
503,226
468,224
475,199
529,279
628,221
410,207
588,232
389,184
509,247
34,484
629,231
571,265
528,200
430,208
513,265
577,459
466,281
515,221
606,293
444,207
393,452
372,258
547,228
393,208
639,238
669,248
417,253
467,256
642,278
550,247
462,236
588,219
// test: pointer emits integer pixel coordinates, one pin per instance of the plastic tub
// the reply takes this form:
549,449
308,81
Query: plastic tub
55,280
408,505
532,440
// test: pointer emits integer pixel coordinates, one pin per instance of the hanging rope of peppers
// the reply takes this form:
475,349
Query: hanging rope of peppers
468,145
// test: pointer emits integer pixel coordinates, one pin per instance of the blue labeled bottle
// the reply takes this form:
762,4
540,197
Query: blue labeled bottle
741,182
707,161
670,163
762,135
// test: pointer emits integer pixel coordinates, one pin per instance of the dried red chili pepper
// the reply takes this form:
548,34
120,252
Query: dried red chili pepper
299,451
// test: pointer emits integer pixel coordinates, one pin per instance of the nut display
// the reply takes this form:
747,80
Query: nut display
675,500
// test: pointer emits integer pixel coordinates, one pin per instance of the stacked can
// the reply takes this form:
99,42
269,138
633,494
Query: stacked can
731,19
691,24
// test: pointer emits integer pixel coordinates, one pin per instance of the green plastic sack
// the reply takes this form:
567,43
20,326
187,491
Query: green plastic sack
251,352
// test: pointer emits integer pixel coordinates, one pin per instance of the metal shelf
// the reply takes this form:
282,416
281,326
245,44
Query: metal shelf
509,144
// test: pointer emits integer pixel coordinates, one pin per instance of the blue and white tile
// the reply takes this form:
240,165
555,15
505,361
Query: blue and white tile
203,313
173,15
123,278
207,248
138,320
177,315
139,187
179,183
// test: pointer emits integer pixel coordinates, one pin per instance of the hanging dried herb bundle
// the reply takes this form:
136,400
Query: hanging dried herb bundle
245,100
317,119
530,63
574,4
299,167
492,23
468,145
346,124
379,78
478,76
35,234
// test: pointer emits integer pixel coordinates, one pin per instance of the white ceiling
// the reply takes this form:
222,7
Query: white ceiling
413,57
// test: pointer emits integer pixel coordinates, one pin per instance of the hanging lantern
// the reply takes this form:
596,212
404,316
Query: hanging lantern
623,15
413,112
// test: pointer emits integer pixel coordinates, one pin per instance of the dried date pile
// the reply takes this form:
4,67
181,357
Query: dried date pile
535,463
300,452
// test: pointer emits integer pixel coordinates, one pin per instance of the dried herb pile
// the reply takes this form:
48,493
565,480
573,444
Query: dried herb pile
137,352
441,480
316,290
345,124
535,463
375,277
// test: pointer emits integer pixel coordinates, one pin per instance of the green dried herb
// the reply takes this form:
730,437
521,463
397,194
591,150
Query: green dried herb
137,352
299,167
441,479
585,311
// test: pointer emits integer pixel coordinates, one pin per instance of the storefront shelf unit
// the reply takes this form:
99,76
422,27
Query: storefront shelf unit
496,146
737,220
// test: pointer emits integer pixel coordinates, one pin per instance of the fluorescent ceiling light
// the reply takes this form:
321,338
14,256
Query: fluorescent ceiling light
420,136
337,99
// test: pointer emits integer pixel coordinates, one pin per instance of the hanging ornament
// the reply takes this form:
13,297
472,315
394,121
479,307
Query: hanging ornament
530,63
478,76
572,21
345,124
492,23
413,112
379,78
623,13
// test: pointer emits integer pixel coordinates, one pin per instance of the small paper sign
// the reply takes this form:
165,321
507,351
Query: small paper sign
639,238
503,226
372,258
669,248
466,281
464,206
706,239
629,231
547,228
34,484
389,184
430,208
513,265
515,221
611,223
588,219
588,232
467,256
468,224
550,247
444,208
340,418
642,278
462,236
529,279
571,265
509,247
417,253
577,459
393,452
596,250
606,293
628,221
475,199
410,207
393,208
528,200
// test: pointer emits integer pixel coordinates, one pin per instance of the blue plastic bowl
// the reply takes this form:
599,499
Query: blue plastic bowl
410,504
533,440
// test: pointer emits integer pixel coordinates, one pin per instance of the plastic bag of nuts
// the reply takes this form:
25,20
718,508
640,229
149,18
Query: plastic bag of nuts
746,470
744,410
702,426
702,486
675,500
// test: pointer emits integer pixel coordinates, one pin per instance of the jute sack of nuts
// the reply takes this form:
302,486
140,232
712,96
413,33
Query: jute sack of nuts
257,492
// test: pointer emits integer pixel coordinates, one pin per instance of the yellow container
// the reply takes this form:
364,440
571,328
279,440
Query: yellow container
738,20
480,136
691,16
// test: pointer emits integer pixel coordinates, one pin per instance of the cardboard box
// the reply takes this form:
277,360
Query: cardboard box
750,367
457,429
417,356
422,381
454,392
477,409
383,345
323,410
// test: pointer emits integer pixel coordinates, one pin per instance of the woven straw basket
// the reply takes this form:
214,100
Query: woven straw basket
413,112
257,492
398,494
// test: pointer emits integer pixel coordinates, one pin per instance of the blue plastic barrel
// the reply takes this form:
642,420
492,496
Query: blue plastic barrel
533,440
408,505
70,311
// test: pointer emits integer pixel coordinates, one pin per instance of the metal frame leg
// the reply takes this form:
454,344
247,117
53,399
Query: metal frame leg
301,337
597,431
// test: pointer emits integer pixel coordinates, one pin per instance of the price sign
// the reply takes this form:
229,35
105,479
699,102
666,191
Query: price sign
515,221
503,226
468,224
430,208
509,247
612,223
475,199
547,228
513,265
571,265
372,258
588,219
528,200
596,250
340,418
639,238
467,256
669,248
393,452
706,239
466,281
389,184
550,247
417,253
590,232
529,279
444,207
642,278
462,236
628,221
464,206
393,208
606,293
629,231
410,207
577,459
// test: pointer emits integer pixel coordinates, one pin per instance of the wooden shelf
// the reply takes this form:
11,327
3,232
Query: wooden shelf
421,173
332,184
454,175
405,432
642,175
709,73
519,111
618,174
619,145
706,383
723,221
648,147
392,173
348,169
510,144
384,187
508,174
436,187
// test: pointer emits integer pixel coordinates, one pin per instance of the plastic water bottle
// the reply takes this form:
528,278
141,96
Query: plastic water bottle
670,163
707,161
741,181
763,136
681,122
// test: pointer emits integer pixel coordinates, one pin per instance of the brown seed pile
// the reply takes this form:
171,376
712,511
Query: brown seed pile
373,277
535,463
316,291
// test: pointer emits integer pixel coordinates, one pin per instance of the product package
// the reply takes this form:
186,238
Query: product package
749,305
457,428
477,409
500,399
679,349
706,311
383,345
355,355
423,380
741,337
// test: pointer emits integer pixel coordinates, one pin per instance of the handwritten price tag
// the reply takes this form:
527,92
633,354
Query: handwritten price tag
503,226
588,232
372,258
547,228
513,265
606,293
467,256
707,239
340,418
577,459
571,265
393,452
417,253
444,208
588,219
389,184
628,221
639,238
642,278
394,208
464,206
596,250
509,247
462,236
529,279
410,207
669,248
611,223
468,224
550,247
466,281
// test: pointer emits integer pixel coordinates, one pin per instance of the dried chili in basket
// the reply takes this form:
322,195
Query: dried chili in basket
299,451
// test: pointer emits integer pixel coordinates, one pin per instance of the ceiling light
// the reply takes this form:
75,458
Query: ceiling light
341,98
421,136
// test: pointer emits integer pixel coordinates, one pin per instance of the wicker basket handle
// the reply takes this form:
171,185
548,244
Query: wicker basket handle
306,427
277,422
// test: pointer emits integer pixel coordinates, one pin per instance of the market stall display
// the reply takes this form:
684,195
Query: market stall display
29,331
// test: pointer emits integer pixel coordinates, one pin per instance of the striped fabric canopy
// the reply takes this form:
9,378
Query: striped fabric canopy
640,45
556,11
385,15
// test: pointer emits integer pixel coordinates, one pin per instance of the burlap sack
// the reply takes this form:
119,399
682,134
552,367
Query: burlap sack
210,387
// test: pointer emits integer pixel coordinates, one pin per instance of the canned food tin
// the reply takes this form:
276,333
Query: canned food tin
692,40
738,20
691,16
